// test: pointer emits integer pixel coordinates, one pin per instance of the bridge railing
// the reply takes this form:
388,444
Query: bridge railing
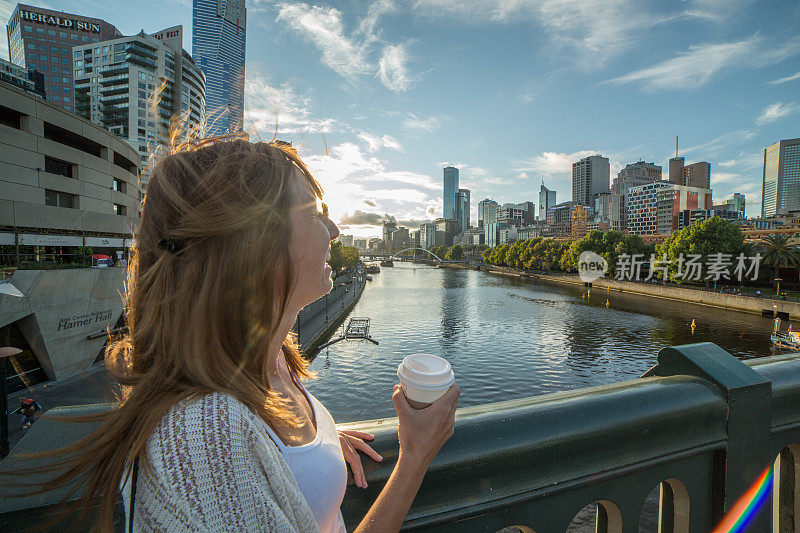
699,428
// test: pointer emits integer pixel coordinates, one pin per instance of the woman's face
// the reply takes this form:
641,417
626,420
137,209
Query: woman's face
312,233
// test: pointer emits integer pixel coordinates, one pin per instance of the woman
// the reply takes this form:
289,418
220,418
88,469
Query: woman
214,423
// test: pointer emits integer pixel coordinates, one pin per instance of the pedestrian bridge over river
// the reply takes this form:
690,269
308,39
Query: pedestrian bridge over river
701,426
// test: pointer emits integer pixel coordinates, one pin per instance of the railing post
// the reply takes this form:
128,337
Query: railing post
749,398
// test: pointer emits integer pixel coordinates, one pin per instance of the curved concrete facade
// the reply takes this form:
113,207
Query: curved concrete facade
57,310
51,156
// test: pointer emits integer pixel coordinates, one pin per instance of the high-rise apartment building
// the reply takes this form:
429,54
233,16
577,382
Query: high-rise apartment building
633,174
42,39
29,80
547,199
590,177
780,186
218,46
462,209
427,235
487,212
140,87
450,190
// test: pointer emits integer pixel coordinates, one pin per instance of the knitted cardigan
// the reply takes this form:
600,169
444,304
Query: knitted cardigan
211,466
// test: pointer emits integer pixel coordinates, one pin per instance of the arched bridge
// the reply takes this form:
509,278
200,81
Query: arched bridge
396,255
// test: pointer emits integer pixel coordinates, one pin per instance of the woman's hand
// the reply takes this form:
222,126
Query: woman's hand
423,432
351,441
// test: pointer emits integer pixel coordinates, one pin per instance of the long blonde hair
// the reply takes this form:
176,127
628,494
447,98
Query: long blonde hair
200,319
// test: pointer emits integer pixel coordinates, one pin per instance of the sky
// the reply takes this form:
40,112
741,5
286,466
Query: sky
379,96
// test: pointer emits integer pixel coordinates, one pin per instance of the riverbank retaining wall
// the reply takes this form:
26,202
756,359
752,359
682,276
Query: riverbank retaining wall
734,302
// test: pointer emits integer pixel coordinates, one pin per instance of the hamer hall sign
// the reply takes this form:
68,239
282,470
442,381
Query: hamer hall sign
60,21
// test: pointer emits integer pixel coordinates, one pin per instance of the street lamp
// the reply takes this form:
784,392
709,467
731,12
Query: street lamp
5,353
778,281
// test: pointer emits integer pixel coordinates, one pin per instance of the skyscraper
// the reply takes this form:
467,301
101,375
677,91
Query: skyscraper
42,39
590,177
639,173
218,45
780,186
463,207
547,199
449,194
487,212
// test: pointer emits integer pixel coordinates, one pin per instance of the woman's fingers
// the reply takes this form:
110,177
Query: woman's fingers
359,434
354,460
366,448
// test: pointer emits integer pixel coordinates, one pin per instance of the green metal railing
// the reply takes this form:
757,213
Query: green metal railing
701,426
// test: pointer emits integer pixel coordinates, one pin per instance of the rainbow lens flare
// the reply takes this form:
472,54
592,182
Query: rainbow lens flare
746,508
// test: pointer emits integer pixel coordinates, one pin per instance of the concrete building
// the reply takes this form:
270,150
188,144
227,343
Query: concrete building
427,235
532,231
346,240
141,88
511,214
547,199
688,216
449,193
633,174
219,31
487,212
473,236
51,315
780,185
64,181
737,202
463,209
653,208
492,233
528,212
29,80
559,220
361,244
506,235
42,39
694,175
579,220
590,177
446,230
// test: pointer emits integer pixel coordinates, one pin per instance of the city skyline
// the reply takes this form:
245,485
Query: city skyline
378,99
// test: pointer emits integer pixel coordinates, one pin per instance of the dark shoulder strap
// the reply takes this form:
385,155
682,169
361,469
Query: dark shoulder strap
133,493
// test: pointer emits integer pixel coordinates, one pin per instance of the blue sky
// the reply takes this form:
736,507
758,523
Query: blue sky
379,96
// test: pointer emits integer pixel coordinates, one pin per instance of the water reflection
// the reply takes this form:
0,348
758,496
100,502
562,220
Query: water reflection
508,338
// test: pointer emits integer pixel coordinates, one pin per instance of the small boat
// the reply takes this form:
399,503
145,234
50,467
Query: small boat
387,263
369,278
788,340
373,269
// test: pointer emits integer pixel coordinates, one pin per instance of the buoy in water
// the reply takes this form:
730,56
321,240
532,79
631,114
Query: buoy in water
693,325
607,302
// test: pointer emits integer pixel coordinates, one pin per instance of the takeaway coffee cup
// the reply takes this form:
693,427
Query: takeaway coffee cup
424,378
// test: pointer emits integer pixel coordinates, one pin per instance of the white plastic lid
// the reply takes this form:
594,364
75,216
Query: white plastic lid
426,372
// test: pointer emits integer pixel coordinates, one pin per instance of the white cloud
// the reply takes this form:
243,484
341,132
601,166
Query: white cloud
551,164
717,11
323,27
785,79
713,146
375,143
269,107
701,63
593,30
777,111
417,124
350,55
392,68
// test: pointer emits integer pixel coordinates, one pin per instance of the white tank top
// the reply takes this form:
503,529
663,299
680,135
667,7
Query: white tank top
319,468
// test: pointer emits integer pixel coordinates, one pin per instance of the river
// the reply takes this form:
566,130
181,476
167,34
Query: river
506,338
